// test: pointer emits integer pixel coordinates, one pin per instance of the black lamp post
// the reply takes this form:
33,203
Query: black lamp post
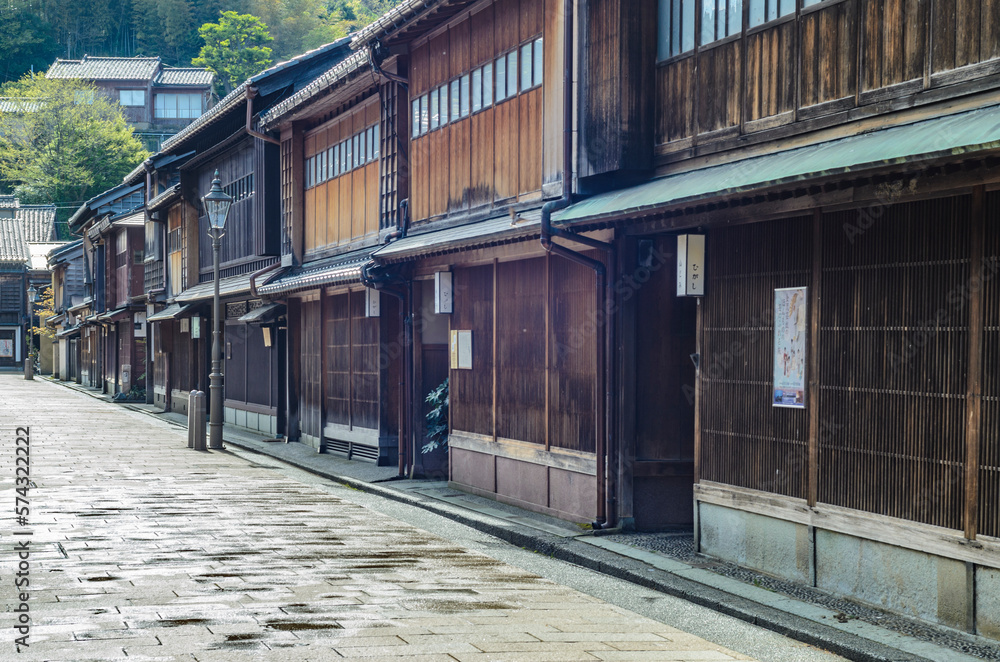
217,205
29,360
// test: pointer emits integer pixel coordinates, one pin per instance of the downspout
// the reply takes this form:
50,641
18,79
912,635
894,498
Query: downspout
257,274
251,93
403,292
607,507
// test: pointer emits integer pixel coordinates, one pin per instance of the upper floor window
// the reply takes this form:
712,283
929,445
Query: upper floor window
720,19
762,11
132,97
676,27
357,151
178,106
83,97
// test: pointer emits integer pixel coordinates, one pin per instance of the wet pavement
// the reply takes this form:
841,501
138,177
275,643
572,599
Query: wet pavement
143,549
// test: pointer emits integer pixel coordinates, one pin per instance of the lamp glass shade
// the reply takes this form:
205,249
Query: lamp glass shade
32,294
217,204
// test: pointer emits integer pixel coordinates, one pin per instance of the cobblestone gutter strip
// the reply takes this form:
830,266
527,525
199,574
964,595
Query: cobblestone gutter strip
681,547
600,559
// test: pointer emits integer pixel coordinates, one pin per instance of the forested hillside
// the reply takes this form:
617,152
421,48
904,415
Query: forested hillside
35,32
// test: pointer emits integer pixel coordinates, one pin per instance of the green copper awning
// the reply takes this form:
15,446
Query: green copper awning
957,135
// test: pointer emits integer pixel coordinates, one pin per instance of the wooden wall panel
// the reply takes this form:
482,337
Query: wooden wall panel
552,115
572,355
507,24
460,166
770,75
482,167
507,149
829,55
530,137
719,71
894,42
521,350
675,83
472,390
531,17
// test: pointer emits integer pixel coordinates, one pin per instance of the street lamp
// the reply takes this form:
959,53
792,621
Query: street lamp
217,205
29,360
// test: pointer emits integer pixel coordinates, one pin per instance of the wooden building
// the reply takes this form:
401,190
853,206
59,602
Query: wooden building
157,100
848,150
113,352
340,143
66,266
26,233
178,249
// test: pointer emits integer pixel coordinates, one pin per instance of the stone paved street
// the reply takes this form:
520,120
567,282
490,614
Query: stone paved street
143,549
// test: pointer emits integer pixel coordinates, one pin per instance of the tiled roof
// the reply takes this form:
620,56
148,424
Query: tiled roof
334,75
106,68
13,247
13,105
9,202
185,77
38,221
392,20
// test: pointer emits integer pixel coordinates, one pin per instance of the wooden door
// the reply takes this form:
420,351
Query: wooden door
665,325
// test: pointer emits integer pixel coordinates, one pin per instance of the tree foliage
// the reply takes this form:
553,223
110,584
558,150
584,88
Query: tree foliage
67,144
235,48
34,32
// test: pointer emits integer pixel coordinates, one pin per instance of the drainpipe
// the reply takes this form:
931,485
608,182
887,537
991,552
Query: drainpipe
402,291
251,93
257,274
607,507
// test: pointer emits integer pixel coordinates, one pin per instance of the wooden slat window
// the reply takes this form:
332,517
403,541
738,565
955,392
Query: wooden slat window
989,443
745,441
472,390
893,360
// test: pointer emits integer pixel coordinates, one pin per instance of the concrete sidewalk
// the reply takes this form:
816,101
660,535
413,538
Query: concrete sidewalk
806,620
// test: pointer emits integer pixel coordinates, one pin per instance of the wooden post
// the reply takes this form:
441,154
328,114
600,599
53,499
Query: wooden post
812,484
548,344
973,393
496,267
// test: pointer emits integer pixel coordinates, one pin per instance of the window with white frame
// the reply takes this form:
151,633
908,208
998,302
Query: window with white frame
132,97
178,106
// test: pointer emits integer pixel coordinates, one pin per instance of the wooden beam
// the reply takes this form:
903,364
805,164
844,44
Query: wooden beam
812,484
496,267
973,393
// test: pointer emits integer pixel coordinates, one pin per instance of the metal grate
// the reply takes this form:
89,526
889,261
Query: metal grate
236,310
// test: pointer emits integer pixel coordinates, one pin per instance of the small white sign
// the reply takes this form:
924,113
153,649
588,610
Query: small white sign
185,324
140,325
195,327
690,265
443,295
372,303
461,350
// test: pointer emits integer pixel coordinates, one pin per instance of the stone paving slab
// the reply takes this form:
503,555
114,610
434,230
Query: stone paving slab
148,550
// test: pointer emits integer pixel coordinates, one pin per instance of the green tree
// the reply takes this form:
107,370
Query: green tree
235,48
66,143
26,41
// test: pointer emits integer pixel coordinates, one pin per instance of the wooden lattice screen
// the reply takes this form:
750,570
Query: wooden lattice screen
894,288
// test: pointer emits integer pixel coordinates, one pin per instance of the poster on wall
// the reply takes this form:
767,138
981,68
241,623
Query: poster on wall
6,348
790,347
